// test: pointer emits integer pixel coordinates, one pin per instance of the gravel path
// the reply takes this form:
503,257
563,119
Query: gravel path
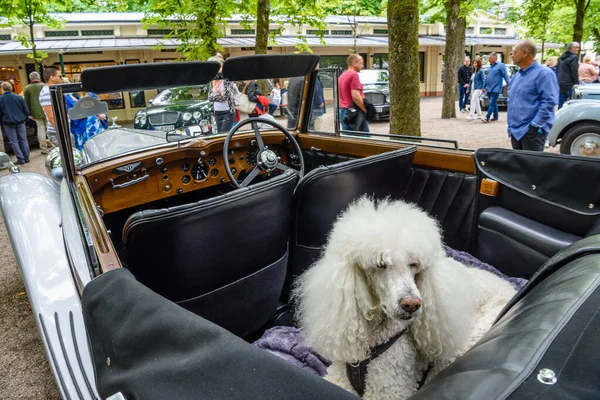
24,371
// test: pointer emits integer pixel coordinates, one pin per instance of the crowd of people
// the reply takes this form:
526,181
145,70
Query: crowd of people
534,92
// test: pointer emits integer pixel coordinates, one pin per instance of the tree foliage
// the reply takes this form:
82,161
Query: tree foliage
22,15
403,32
194,25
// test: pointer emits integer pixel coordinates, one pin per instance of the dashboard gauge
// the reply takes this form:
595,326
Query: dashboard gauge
233,171
186,179
251,157
185,167
211,162
214,172
200,171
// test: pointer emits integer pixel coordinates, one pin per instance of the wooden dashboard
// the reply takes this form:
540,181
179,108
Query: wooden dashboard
163,173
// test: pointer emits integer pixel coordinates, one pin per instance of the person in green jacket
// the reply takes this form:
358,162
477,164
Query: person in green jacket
32,95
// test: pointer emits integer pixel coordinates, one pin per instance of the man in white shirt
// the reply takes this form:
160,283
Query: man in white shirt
53,77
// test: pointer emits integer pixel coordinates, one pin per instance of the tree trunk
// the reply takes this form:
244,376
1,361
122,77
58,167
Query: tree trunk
403,24
455,54
262,27
580,6
32,39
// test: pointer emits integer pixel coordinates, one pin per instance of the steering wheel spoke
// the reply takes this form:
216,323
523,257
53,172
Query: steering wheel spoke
282,167
259,139
253,174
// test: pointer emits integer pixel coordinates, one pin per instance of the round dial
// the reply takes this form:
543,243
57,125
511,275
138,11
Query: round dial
186,179
212,161
214,172
200,171
185,167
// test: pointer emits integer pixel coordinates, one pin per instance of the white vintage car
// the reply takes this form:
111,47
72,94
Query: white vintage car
153,260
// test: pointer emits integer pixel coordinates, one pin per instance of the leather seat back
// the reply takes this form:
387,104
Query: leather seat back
326,191
223,258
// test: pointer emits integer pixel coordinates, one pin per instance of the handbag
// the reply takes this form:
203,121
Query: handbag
243,103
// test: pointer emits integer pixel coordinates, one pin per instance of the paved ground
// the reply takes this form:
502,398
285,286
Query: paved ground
24,371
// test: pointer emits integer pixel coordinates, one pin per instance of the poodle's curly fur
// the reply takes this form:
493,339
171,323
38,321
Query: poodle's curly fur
378,254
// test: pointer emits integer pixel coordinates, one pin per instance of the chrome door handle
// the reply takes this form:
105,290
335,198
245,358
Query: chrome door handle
131,182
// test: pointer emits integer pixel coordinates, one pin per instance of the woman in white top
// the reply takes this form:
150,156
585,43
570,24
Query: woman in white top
222,94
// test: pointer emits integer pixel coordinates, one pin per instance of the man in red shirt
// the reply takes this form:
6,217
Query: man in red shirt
351,90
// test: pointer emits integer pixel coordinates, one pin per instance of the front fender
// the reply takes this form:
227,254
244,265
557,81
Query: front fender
576,111
31,207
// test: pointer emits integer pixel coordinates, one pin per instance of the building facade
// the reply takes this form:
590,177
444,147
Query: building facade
90,40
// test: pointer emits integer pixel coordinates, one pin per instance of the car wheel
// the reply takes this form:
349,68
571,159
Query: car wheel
582,140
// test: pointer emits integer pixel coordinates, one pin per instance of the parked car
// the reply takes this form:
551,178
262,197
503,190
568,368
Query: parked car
590,91
503,98
376,88
177,108
151,265
577,127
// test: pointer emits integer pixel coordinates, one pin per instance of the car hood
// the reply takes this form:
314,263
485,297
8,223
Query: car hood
179,106
587,103
118,141
376,88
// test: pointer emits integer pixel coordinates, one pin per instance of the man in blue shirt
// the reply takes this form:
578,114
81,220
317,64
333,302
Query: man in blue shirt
493,85
532,96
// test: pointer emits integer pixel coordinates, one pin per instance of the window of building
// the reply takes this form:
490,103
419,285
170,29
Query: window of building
485,31
316,32
243,31
61,33
341,32
339,61
5,37
380,31
499,31
98,32
158,32
380,61
470,30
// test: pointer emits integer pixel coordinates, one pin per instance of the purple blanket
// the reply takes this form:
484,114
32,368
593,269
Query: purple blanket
288,342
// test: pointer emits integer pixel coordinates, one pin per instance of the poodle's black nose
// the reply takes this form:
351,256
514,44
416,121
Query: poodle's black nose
410,304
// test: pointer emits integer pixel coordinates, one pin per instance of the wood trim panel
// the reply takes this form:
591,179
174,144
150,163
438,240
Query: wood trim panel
107,255
444,159
156,186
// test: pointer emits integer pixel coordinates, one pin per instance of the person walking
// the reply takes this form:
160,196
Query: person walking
552,63
52,76
351,92
533,94
13,114
588,71
478,78
222,93
493,85
465,72
568,73
32,99
318,106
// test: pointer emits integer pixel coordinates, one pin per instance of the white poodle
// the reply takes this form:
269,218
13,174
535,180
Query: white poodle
382,271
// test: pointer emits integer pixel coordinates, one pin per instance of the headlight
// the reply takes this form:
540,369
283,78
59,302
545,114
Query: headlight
143,119
54,163
197,114
137,120
187,116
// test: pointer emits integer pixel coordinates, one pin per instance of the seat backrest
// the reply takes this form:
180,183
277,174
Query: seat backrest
326,191
223,258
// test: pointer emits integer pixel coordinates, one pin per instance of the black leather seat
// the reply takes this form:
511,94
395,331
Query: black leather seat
223,258
326,191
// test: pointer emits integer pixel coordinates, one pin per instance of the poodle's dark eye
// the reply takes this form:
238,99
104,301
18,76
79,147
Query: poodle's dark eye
382,265
414,266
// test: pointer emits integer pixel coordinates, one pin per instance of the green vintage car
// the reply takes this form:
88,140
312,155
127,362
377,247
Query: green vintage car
178,107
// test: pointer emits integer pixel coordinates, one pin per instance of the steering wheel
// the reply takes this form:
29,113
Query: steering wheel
266,158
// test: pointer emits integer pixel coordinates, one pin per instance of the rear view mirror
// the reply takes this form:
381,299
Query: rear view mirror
86,107
5,162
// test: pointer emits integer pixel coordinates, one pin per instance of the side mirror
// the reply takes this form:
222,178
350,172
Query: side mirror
54,163
5,162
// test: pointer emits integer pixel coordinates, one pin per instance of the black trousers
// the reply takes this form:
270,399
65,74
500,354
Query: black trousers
533,140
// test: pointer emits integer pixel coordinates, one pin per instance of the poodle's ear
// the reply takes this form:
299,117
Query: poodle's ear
334,308
445,325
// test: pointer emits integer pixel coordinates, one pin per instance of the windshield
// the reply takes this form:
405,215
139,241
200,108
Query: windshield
373,77
147,118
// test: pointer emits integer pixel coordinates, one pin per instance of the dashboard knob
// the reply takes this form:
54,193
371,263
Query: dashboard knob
179,191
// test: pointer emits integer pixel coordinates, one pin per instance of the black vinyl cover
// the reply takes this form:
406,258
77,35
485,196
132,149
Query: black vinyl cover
130,77
146,347
576,188
269,66
553,324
